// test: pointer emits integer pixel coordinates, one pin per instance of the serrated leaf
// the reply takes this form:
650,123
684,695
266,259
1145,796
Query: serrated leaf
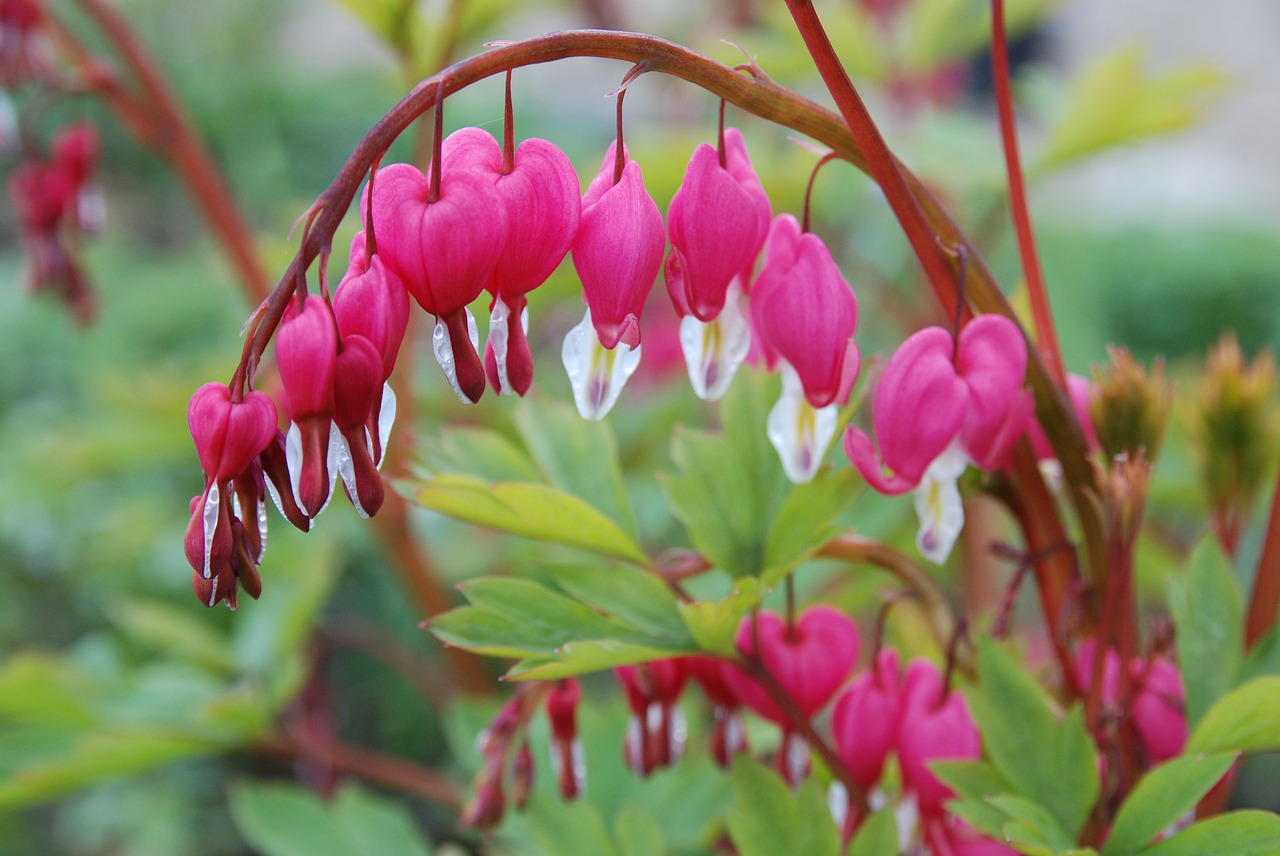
638,598
804,518
577,455
1240,833
1048,761
1114,102
878,835
1244,720
768,819
714,624
1161,797
533,511
1209,616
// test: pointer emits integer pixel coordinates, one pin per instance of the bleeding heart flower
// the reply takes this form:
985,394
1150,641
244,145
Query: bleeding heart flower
935,725
1160,707
806,315
306,352
616,252
941,405
656,731
442,249
864,720
567,760
539,191
728,736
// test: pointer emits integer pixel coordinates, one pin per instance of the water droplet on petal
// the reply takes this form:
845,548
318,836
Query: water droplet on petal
262,528
597,375
938,504
499,317
800,432
442,347
713,351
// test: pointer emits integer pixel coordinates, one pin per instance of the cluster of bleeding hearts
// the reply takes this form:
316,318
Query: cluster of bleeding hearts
884,711
57,201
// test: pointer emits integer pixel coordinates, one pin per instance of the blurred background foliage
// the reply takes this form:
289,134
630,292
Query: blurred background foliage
132,721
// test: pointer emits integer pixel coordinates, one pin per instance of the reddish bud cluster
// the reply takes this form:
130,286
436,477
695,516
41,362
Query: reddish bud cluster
57,201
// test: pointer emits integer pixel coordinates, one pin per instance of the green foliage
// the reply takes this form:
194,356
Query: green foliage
1240,833
1209,617
768,818
1243,720
288,820
557,635
878,835
1114,102
714,624
1161,797
1048,761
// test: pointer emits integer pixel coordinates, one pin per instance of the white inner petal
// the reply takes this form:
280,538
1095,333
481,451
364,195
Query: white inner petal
442,347
262,527
938,504
341,453
597,375
713,351
386,418
210,520
800,432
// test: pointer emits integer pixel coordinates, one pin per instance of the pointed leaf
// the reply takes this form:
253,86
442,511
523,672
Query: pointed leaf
1209,615
638,598
714,624
878,835
1162,797
638,833
578,456
1244,720
768,819
805,517
1240,833
531,510
589,655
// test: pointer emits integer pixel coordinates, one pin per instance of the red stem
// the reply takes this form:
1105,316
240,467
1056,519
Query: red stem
1265,597
1042,316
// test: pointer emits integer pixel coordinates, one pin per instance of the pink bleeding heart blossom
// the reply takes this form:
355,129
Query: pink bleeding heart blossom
809,660
717,221
442,249
306,352
357,388
864,720
539,193
229,436
1080,390
618,250
1160,707
656,730
806,312
940,405
936,725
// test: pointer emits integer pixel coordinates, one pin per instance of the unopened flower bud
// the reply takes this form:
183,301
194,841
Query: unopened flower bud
1131,405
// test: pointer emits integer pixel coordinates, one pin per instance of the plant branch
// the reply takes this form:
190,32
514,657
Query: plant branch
1265,598
386,770
1046,334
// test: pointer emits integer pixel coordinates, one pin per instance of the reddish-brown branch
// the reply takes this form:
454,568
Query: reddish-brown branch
174,137
1046,334
374,767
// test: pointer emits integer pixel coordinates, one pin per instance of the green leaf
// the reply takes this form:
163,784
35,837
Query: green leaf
805,517
1239,833
639,598
878,836
1049,761
1263,658
531,510
1209,616
729,484
975,783
1244,720
1032,824
577,455
768,819
714,624
1114,102
482,453
568,827
170,629
589,655
638,833
288,820
1161,797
